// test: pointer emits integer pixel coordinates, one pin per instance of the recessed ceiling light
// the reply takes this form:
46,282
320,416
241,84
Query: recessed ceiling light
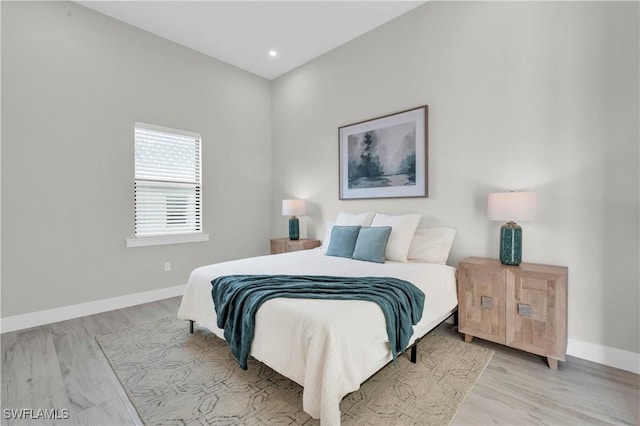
273,53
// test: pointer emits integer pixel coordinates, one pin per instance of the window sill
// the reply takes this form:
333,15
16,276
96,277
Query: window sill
166,239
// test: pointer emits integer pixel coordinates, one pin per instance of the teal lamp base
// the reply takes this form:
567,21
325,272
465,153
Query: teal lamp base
294,228
510,244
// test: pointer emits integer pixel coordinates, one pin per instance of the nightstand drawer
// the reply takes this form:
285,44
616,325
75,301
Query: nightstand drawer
481,307
536,312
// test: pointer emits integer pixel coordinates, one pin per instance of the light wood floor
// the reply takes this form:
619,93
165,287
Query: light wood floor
61,366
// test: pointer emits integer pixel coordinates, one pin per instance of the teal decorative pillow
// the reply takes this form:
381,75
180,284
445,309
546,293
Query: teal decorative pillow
371,244
343,241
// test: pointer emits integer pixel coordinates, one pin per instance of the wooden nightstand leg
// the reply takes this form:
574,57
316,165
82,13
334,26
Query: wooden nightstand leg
468,338
553,363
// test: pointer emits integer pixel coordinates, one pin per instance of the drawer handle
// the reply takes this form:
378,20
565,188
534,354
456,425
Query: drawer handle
525,310
486,302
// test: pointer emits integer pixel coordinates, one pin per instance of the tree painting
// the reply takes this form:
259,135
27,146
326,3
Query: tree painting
383,157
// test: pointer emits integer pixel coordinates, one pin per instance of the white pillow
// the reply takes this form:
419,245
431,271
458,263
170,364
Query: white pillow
346,219
350,219
431,245
403,228
327,234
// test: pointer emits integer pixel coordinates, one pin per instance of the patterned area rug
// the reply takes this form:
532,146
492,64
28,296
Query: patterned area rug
174,378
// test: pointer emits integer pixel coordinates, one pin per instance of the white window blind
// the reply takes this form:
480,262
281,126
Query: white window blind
167,181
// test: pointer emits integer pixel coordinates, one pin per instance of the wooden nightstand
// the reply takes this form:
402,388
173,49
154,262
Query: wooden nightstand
523,306
285,245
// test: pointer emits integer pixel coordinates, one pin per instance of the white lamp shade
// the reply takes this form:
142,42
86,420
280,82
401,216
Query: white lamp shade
512,206
293,207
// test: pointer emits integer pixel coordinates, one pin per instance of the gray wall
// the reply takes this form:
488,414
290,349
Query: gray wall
521,95
73,83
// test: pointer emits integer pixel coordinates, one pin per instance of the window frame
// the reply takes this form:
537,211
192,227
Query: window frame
169,238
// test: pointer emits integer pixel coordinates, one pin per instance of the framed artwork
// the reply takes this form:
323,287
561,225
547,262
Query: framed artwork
385,157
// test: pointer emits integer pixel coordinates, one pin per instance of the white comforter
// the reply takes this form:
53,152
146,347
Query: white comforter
329,347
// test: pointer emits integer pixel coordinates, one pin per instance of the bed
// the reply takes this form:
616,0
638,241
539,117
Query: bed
329,347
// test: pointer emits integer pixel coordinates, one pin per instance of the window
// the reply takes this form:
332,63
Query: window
167,186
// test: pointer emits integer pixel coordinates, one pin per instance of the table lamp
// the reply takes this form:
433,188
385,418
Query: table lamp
511,207
293,208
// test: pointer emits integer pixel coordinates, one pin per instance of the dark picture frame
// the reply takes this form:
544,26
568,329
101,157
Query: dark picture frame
385,157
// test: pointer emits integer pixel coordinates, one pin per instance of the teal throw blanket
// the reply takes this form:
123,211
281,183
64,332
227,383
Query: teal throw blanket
238,297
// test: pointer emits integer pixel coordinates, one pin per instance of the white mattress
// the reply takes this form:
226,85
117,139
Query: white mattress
329,347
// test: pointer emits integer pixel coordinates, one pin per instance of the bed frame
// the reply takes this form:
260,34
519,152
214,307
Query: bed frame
413,356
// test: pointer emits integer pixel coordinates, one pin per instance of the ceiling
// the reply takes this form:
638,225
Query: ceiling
242,33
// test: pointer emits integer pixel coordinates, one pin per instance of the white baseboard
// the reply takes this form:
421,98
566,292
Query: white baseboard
34,319
613,357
